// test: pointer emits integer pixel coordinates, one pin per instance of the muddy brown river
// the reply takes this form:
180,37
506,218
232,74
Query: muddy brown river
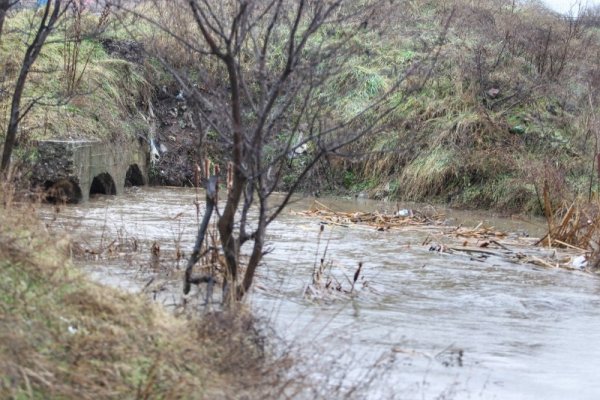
420,324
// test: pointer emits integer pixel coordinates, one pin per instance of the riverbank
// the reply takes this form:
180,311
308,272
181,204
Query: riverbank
63,336
507,107
419,323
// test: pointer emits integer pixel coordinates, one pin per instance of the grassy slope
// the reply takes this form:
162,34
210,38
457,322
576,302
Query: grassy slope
104,103
452,142
118,339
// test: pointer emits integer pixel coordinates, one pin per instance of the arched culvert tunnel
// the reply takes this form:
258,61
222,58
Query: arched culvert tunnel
134,176
62,191
103,184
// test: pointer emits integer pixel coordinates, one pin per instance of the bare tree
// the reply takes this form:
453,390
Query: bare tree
262,81
5,6
51,14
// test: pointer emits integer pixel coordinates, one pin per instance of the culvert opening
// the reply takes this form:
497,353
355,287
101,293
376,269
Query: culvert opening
103,184
62,191
134,176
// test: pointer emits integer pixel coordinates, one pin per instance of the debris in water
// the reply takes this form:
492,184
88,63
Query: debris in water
379,221
404,213
579,262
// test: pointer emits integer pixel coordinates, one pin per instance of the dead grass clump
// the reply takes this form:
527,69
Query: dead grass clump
576,226
573,226
237,335
430,174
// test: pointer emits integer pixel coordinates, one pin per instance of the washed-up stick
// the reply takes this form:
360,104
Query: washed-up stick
211,195
539,261
500,245
476,250
568,245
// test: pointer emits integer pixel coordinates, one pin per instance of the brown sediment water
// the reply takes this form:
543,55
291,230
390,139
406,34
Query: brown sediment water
452,325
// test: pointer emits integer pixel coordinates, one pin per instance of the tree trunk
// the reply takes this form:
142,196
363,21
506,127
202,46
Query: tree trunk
4,5
257,251
33,51
211,196
226,223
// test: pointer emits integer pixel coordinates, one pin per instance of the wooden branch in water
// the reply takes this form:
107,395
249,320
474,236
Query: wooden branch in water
211,195
198,279
500,245
476,250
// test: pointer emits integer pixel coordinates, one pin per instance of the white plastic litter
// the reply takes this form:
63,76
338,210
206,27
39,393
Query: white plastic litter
579,262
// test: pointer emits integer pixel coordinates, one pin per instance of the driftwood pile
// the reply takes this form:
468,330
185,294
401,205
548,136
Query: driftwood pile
379,221
479,243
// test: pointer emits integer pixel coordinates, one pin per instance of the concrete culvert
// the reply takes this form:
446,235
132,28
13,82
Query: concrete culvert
134,176
62,191
103,184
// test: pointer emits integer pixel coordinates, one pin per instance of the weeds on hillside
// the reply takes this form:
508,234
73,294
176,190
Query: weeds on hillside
75,89
75,63
501,102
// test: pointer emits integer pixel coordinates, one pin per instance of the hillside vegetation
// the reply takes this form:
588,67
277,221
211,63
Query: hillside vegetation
511,103
80,87
498,99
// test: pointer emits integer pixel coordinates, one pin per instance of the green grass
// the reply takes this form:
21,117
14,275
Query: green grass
429,174
445,140
504,193
104,105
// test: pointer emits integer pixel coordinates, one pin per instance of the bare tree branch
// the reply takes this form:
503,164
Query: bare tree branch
52,13
267,66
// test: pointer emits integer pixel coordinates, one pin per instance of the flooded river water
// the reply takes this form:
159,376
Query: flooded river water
440,324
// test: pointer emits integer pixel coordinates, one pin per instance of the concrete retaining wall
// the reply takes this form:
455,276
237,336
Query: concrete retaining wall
71,170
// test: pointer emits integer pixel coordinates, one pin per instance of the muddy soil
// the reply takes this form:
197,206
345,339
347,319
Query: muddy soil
178,140
178,137
183,140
